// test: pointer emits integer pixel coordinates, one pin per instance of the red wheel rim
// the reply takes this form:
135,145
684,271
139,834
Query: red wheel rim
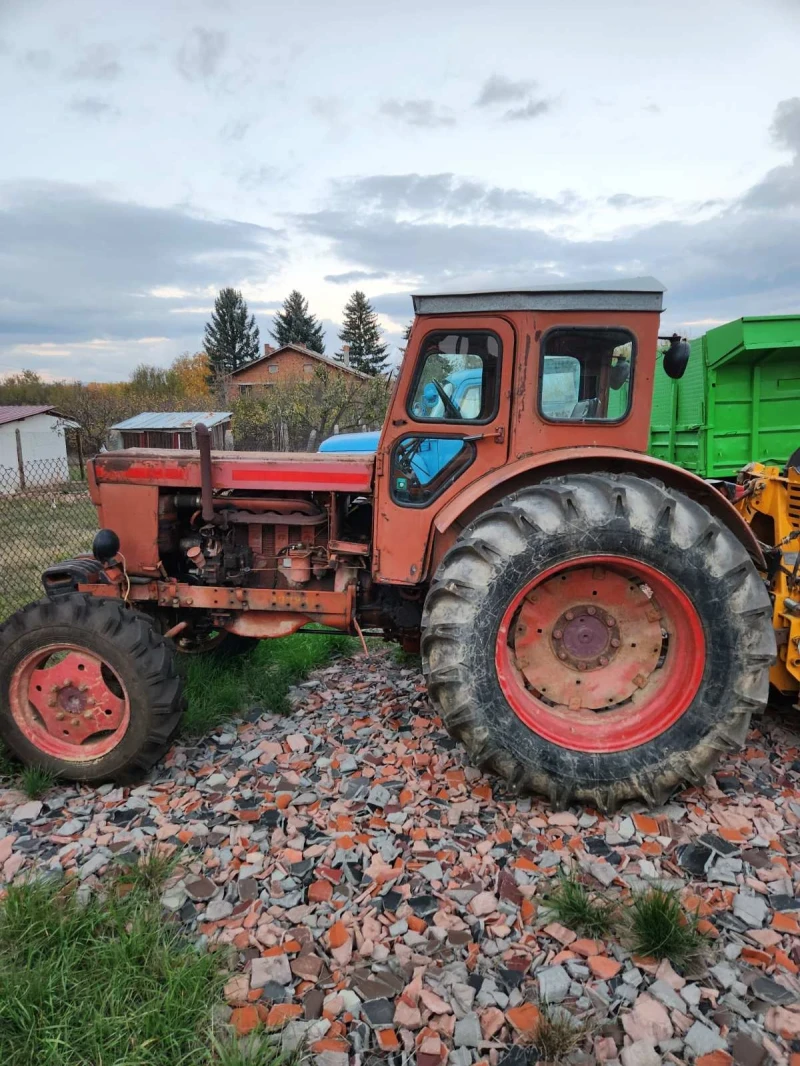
69,703
600,654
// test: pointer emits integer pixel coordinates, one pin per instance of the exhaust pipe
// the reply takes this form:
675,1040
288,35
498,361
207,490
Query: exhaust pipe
206,491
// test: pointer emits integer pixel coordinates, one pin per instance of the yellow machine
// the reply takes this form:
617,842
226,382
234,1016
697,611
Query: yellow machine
769,500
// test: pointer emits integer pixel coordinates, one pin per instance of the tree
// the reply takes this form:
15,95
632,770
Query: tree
231,339
26,387
362,332
294,324
299,412
192,373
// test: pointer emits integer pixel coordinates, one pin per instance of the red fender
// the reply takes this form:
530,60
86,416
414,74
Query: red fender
533,469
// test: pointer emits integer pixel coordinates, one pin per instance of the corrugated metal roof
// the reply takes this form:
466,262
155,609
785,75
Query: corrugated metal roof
173,420
16,412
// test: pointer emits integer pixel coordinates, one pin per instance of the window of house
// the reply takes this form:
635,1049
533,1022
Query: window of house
457,378
131,440
273,368
308,368
245,390
586,374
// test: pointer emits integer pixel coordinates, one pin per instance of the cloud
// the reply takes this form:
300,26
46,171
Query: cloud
38,60
443,194
77,266
256,177
200,56
92,107
355,275
98,63
234,130
424,113
785,128
780,187
501,90
626,199
724,260
533,109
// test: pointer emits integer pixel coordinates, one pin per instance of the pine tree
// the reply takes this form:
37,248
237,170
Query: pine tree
294,324
231,339
362,332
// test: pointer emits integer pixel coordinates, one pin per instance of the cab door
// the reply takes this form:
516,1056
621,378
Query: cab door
447,425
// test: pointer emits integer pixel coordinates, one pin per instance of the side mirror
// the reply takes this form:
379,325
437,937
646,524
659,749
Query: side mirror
676,357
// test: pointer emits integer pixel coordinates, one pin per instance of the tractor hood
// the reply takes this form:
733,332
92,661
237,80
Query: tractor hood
352,442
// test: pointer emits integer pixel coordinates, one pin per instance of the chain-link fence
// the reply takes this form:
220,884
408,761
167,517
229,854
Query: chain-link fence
45,516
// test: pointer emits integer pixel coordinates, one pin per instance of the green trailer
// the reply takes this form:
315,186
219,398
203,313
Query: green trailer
738,402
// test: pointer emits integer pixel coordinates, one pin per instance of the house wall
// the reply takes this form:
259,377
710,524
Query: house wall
179,439
44,452
285,365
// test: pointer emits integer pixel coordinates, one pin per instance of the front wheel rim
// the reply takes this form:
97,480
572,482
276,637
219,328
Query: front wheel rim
600,654
69,703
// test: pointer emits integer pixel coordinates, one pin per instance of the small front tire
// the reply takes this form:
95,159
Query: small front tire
88,689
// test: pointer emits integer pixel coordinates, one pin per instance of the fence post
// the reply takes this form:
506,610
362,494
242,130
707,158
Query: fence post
20,463
80,456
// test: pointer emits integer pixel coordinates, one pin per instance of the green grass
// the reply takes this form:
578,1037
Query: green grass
38,528
107,984
146,872
220,687
36,780
557,1033
660,927
578,909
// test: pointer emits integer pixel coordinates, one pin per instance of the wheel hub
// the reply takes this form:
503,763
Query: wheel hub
585,638
588,639
65,717
600,653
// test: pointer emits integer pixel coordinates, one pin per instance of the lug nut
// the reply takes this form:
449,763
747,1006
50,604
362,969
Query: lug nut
557,634
87,714
60,716
581,666
90,701
610,621
591,610
569,615
76,721
51,702
603,660
562,655
615,643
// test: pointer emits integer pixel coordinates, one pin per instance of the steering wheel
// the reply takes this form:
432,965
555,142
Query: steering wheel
450,409
405,455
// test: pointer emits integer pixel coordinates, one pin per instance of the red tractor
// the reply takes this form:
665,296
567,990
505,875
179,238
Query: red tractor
592,621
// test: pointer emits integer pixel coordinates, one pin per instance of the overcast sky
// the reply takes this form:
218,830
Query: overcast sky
153,152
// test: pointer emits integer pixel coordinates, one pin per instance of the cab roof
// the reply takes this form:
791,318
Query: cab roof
620,294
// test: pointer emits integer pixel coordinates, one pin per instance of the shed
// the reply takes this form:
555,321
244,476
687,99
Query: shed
738,402
33,447
171,429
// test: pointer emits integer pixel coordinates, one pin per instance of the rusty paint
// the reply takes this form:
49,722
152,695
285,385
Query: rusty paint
254,470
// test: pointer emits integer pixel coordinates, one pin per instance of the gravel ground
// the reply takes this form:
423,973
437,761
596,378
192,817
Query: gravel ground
383,899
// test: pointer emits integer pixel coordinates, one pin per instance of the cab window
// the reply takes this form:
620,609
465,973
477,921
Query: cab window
457,377
586,374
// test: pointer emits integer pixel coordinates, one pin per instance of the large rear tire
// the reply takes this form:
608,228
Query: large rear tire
597,638
88,689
